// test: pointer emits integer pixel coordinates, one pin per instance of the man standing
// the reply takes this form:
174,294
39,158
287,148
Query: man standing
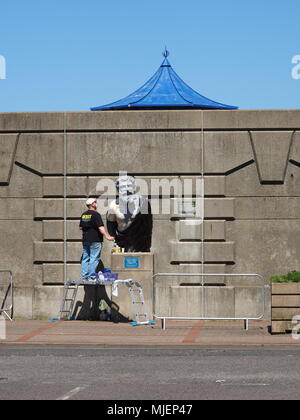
93,231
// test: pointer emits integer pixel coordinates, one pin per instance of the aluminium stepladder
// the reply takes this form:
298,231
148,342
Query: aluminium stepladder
68,300
138,301
135,291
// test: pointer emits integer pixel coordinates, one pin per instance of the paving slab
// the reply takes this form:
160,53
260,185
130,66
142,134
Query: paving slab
108,334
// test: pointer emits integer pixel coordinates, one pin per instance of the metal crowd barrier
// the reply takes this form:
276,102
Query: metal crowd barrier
204,318
5,308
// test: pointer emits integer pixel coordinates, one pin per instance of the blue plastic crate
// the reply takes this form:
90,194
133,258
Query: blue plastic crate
110,276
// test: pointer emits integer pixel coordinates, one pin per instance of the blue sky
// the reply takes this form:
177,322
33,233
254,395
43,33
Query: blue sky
70,55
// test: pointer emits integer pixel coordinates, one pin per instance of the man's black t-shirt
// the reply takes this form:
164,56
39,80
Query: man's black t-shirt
90,222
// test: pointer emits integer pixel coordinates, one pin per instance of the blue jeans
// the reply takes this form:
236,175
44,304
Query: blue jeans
91,253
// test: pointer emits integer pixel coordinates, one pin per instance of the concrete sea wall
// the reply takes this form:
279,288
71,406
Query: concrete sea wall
252,196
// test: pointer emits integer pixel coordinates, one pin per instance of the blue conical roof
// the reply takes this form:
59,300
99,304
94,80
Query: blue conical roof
165,89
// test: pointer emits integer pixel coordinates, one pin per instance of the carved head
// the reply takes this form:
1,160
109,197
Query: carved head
125,185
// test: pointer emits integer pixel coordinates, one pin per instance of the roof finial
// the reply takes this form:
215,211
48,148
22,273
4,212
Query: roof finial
166,53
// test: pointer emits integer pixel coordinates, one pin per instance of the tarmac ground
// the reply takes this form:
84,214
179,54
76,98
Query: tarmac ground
150,368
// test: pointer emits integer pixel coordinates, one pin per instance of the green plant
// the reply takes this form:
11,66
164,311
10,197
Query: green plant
290,277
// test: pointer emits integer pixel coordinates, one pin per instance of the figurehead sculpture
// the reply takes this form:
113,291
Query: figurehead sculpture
129,218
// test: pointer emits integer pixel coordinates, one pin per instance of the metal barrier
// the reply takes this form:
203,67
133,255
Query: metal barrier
8,295
245,319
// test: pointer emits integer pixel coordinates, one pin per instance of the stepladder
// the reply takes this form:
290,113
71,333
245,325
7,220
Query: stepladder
138,303
68,301
134,287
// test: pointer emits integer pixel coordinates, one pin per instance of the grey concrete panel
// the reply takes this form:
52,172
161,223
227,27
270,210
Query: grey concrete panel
144,152
174,280
54,273
252,119
219,302
48,208
246,183
53,207
163,232
74,251
271,150
192,230
47,300
75,207
219,208
267,208
225,151
189,301
42,153
22,184
192,252
265,247
31,121
248,302
295,149
48,252
186,301
7,150
73,231
23,300
162,301
16,251
16,208
219,252
214,185
137,120
54,186
53,251
54,230
77,186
